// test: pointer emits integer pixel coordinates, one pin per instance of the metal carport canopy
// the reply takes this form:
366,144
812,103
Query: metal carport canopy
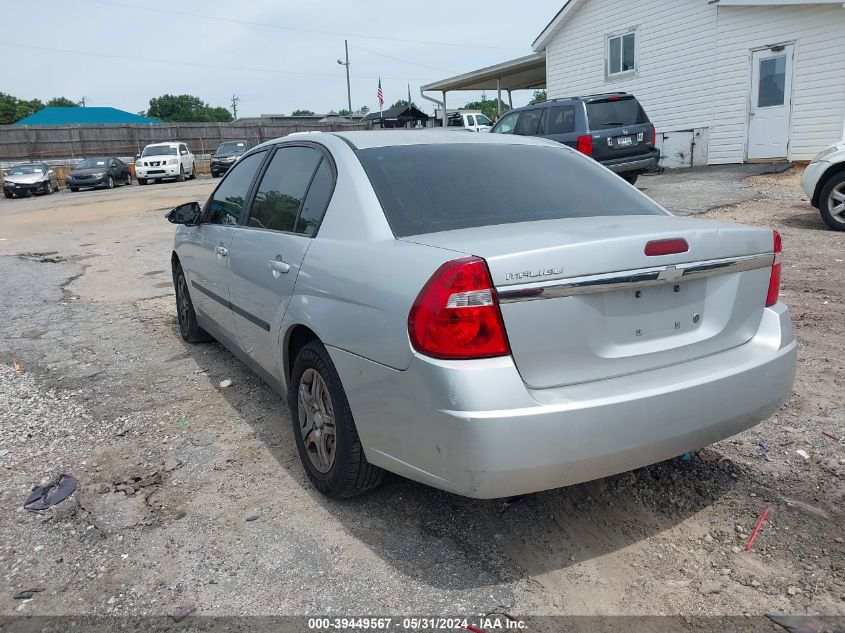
522,73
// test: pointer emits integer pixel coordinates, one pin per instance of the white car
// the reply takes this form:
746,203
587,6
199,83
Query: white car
824,183
160,161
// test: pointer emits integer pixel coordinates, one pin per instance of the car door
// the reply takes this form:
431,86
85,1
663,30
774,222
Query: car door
205,250
267,252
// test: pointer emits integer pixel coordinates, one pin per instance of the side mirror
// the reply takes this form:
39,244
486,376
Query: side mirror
187,214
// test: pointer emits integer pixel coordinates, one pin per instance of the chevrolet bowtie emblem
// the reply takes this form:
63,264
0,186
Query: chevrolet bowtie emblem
670,273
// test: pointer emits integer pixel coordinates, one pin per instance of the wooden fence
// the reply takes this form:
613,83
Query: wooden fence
63,142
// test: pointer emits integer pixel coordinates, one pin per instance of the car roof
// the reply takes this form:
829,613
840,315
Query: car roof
166,143
387,138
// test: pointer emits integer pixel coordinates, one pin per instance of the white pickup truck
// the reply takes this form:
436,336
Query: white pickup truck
472,120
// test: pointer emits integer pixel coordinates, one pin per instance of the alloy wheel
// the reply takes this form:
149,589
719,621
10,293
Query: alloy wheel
836,202
316,420
182,304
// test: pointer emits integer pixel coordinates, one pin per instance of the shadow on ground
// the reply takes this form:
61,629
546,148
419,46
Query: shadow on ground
452,542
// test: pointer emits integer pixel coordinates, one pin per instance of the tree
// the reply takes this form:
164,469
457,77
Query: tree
61,102
344,112
403,103
539,96
487,107
13,109
186,108
302,113
363,109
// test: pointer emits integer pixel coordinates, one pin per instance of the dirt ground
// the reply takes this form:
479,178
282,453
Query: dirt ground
193,495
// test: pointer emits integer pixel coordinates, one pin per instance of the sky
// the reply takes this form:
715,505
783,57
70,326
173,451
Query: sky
275,56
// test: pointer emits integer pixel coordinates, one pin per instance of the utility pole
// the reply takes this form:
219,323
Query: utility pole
235,101
348,88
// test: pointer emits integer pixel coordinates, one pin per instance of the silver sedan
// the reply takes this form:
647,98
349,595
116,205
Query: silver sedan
487,314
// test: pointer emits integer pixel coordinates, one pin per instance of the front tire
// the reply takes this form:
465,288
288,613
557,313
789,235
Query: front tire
326,437
110,183
187,317
74,189
142,181
832,202
181,177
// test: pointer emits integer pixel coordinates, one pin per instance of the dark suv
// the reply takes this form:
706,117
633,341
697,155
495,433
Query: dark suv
612,128
226,155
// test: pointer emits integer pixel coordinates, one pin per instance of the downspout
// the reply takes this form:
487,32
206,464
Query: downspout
435,101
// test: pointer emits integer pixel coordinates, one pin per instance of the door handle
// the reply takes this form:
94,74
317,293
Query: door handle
221,251
278,266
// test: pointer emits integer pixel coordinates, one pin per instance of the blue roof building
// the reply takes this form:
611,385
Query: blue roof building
85,116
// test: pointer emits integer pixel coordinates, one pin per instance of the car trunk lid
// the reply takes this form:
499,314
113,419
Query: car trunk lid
581,300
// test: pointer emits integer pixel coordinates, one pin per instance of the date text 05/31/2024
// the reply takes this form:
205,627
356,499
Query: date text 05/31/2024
482,624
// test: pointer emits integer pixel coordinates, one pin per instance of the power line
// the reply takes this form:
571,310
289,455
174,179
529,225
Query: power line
112,3
181,63
404,61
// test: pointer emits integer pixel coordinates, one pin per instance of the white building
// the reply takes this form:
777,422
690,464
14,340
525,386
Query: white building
724,81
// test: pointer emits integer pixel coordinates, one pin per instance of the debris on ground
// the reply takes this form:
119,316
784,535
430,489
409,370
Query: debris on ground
803,453
756,530
182,612
225,383
51,493
26,594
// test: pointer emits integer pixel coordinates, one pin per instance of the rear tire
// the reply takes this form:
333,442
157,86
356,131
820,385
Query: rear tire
193,171
830,206
349,473
630,178
128,179
187,317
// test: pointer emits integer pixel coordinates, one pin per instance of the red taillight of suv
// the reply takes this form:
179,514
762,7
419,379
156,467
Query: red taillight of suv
653,135
456,315
584,144
774,279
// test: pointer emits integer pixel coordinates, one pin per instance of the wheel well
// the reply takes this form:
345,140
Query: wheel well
298,337
174,262
830,173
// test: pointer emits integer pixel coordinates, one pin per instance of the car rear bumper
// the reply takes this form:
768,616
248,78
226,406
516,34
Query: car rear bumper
474,428
810,179
638,163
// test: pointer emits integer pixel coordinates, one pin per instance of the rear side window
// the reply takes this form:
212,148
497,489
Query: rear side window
561,120
529,123
443,187
282,188
602,115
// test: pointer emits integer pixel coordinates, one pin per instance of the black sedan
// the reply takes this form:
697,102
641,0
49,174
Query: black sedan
99,172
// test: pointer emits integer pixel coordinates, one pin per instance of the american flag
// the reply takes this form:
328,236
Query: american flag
380,94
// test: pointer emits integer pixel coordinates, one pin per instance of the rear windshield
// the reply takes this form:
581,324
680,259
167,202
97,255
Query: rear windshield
607,114
443,187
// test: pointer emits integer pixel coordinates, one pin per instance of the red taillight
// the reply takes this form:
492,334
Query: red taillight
653,135
456,314
666,247
774,280
585,144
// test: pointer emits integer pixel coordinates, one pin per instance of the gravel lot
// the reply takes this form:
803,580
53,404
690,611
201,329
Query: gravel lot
193,495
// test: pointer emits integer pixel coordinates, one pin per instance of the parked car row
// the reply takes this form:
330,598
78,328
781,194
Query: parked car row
157,161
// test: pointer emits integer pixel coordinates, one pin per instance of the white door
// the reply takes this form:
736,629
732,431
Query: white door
771,99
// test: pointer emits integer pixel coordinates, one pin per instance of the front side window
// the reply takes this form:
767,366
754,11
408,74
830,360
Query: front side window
621,53
470,120
283,186
507,123
227,202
